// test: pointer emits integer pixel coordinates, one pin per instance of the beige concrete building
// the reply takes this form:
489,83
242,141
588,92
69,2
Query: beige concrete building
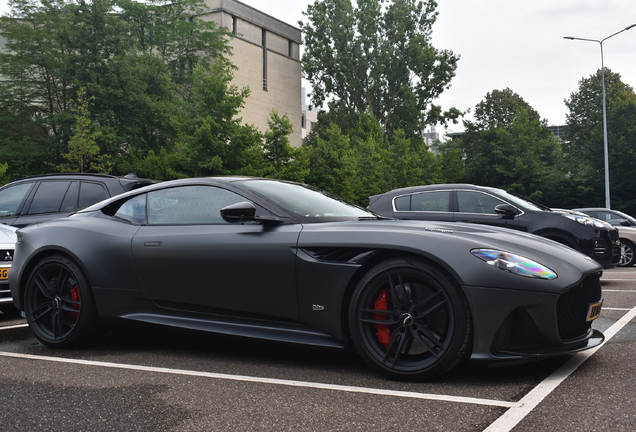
267,54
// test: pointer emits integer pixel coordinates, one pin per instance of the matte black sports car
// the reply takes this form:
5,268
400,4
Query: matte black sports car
278,260
493,206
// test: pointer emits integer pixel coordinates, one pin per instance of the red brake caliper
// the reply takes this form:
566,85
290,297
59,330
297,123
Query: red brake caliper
382,331
75,296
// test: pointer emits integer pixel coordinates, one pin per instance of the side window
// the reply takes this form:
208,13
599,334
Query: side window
431,201
70,200
49,196
189,205
609,217
90,193
12,197
477,202
437,201
403,203
133,210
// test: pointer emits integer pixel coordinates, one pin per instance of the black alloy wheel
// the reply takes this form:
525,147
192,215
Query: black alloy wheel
59,304
628,257
409,320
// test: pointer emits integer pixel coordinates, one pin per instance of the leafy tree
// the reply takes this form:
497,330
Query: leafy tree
83,152
584,145
509,146
377,58
218,142
332,161
134,58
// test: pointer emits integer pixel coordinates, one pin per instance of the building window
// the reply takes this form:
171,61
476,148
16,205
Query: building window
234,25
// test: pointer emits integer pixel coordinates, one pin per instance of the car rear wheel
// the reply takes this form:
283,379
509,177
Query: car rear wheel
59,303
409,320
628,257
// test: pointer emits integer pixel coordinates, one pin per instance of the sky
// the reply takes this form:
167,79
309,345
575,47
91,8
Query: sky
516,44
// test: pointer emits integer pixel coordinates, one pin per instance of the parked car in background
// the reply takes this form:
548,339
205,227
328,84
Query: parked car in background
282,261
493,206
35,199
7,246
626,225
615,217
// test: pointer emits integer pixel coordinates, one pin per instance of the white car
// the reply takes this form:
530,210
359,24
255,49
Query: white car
7,245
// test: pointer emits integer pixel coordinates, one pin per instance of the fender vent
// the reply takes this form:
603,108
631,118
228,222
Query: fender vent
340,255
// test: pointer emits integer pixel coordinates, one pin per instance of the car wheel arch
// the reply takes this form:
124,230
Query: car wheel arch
384,255
36,258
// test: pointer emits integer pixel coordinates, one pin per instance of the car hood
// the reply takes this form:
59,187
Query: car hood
7,234
450,244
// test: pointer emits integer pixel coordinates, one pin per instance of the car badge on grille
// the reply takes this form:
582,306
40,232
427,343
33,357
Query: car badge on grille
7,256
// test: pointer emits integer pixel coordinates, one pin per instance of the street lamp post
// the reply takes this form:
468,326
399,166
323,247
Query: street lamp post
605,149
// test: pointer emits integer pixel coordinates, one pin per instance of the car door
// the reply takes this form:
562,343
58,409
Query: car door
479,207
190,258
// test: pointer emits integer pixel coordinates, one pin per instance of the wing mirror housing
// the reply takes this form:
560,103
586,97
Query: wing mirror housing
506,210
245,211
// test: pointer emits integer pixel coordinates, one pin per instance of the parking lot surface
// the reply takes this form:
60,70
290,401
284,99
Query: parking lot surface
147,379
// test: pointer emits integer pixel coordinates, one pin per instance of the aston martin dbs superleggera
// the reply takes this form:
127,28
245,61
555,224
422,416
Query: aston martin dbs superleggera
282,261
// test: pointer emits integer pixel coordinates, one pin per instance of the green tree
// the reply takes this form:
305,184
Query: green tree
218,142
377,58
83,151
584,144
509,146
134,58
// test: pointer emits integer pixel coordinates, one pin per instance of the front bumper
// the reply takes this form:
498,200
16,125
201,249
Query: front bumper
512,324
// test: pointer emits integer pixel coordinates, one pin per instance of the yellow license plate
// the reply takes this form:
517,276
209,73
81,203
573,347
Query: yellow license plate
594,310
4,273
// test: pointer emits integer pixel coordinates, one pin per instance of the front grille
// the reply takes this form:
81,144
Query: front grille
573,305
613,234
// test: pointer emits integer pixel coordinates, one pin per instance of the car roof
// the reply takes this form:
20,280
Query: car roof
131,176
448,186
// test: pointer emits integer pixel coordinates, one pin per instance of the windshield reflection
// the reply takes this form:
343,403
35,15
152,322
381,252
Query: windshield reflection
305,201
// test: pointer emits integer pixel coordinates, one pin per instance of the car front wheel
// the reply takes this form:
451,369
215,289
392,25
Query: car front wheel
59,303
627,254
409,320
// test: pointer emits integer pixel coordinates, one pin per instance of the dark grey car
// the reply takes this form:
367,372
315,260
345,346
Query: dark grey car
282,261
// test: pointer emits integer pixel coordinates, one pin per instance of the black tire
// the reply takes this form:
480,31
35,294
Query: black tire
59,304
409,320
628,254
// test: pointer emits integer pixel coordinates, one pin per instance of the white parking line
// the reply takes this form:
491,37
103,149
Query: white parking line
516,413
322,386
13,326
530,401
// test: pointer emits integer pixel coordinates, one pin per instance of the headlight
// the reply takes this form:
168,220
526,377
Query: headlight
515,264
589,221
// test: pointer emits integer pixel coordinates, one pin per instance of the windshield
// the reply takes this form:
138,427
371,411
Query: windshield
522,202
305,201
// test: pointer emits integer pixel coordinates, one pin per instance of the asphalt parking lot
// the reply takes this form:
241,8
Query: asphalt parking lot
143,379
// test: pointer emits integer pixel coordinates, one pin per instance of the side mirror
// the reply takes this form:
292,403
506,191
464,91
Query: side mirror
241,211
245,211
625,222
506,210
